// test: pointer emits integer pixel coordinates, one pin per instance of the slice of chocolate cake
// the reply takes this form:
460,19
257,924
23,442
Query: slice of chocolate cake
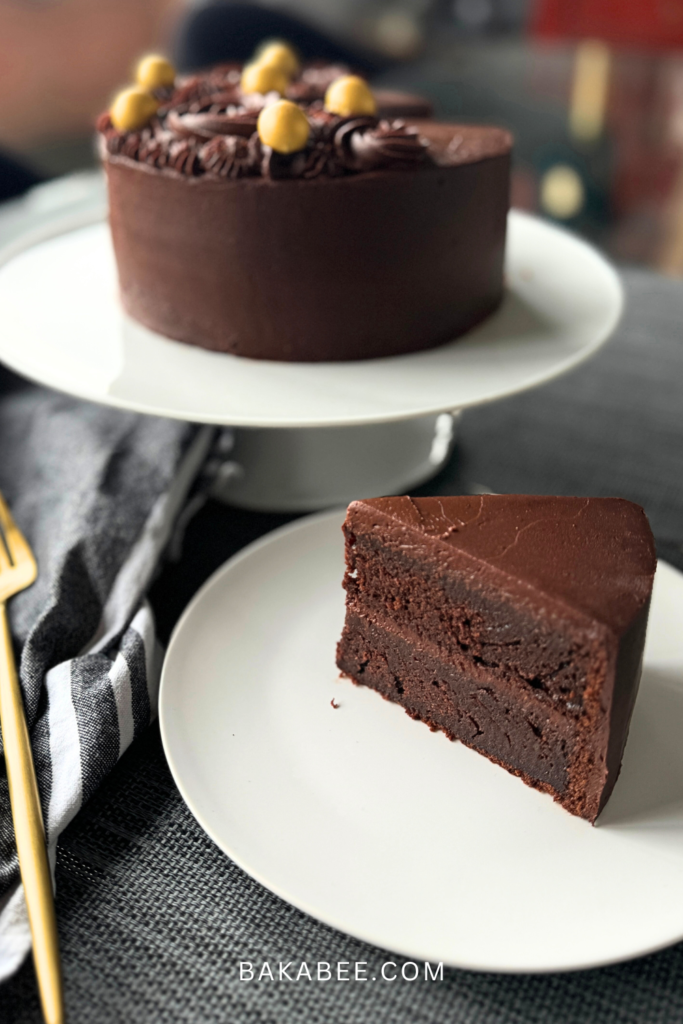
514,623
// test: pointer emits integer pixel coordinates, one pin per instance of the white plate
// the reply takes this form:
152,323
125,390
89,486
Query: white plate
371,823
62,326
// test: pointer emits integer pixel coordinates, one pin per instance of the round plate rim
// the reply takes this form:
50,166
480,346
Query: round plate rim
274,537
73,222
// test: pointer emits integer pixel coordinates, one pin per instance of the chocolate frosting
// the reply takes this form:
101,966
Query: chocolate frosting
336,145
183,157
196,92
318,158
390,143
231,156
207,125
206,106
391,104
595,555
222,84
301,258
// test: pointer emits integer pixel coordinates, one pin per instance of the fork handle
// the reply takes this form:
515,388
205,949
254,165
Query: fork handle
29,832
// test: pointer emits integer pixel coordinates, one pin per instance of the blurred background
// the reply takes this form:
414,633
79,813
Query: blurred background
591,89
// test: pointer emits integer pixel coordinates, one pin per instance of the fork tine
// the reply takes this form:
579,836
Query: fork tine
6,520
18,549
4,559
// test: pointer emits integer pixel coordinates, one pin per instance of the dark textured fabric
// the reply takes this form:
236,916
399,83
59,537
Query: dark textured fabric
96,493
154,919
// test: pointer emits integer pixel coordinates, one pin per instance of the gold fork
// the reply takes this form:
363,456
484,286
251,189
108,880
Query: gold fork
17,571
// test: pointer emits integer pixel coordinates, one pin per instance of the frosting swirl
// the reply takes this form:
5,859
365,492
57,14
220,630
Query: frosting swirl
183,157
231,156
316,159
390,143
204,131
221,84
207,125
154,151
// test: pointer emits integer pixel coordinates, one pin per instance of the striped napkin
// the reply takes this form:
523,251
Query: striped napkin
97,493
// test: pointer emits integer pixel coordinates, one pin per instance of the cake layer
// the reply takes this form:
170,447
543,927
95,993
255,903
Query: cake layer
466,622
354,266
491,717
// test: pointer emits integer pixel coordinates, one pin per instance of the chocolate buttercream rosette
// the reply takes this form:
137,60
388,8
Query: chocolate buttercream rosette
320,156
208,124
365,146
232,156
354,144
214,135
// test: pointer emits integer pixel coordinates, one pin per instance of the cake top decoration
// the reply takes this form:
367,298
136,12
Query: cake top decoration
257,121
263,78
274,65
155,72
350,96
284,127
132,109
279,54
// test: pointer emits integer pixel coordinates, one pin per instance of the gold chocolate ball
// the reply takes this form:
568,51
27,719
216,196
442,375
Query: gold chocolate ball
263,78
155,72
283,126
350,95
132,109
279,55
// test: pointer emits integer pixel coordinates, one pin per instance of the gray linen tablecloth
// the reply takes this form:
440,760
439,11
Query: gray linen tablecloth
154,919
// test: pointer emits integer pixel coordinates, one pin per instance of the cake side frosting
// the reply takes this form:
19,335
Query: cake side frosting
351,267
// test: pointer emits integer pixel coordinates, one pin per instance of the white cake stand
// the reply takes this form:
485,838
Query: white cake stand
383,425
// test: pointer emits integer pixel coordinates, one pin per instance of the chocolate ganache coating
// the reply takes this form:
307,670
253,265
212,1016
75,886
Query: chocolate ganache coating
378,238
514,623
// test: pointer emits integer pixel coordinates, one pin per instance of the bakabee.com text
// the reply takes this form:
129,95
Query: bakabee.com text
340,970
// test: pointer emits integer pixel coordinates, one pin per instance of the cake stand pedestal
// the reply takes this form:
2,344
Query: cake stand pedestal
304,470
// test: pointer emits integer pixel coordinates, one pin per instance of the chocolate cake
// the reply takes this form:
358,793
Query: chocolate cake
373,238
513,623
